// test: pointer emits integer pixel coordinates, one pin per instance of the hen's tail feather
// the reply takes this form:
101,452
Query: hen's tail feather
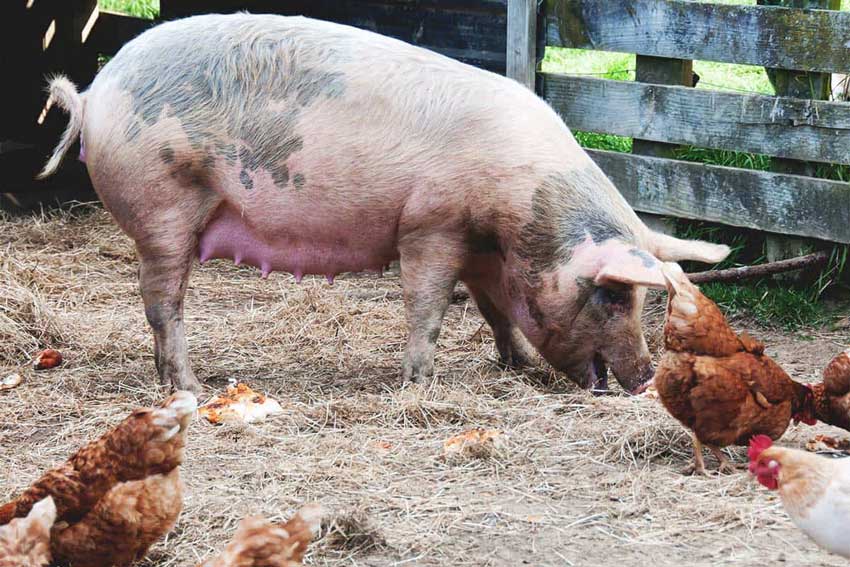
64,93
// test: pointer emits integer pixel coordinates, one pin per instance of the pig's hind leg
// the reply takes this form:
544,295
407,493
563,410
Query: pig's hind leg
164,222
163,279
512,346
429,271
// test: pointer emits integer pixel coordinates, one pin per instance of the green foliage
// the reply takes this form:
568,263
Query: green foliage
726,158
776,303
604,141
148,9
732,77
617,66
770,304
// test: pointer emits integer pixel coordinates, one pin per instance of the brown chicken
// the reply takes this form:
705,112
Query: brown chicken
832,396
259,543
25,542
118,495
720,385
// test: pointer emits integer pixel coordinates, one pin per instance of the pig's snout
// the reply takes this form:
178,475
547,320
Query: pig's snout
641,381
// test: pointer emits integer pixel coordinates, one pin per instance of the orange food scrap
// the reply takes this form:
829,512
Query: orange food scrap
240,403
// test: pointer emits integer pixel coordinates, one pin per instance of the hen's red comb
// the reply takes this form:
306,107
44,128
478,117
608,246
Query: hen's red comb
758,444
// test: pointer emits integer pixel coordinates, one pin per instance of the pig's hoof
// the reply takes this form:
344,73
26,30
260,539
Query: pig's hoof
416,373
514,360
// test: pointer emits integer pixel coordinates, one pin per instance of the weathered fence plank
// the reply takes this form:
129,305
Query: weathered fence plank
774,202
784,127
798,84
660,71
521,59
806,40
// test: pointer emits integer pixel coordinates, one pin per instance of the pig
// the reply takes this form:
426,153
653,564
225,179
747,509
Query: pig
297,145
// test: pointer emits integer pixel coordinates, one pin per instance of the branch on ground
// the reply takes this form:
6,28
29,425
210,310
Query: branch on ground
760,270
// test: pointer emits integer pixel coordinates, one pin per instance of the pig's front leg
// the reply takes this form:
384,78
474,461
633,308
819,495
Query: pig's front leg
163,279
514,350
429,271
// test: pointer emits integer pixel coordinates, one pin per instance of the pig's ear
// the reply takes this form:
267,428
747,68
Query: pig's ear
630,265
670,249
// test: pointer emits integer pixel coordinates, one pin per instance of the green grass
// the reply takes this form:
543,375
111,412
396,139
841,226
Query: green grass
780,303
771,305
140,8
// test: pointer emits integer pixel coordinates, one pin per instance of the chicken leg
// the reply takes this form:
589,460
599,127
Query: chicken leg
697,466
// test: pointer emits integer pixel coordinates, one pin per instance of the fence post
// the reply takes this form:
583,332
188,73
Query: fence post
797,84
522,41
660,71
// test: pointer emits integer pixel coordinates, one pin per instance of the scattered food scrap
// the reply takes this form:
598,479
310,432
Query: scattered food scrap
240,403
10,381
474,442
381,445
651,393
48,358
826,443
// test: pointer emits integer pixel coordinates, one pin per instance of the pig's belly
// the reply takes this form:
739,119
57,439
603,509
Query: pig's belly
295,244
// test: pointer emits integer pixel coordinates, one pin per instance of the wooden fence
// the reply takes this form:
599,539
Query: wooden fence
659,109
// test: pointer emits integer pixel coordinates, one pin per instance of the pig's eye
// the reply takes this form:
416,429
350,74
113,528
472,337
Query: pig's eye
612,296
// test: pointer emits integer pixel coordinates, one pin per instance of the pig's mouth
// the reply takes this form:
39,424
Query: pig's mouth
598,379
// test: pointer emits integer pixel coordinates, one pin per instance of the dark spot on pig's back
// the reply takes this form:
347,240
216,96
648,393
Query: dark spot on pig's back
188,174
207,161
298,180
224,89
166,154
246,180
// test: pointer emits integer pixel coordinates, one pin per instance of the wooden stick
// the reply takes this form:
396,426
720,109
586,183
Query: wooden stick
760,270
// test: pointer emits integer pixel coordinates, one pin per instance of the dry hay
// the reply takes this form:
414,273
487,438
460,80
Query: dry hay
583,480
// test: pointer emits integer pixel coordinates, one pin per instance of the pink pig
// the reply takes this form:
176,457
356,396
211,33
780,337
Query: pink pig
314,148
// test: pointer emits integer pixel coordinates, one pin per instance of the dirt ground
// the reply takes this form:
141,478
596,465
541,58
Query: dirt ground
582,480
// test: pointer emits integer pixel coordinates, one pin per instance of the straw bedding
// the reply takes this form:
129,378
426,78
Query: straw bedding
580,480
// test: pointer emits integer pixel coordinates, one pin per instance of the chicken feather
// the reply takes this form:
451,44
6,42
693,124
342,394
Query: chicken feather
25,542
815,491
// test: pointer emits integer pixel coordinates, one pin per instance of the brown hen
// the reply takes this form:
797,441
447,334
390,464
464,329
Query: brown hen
832,396
720,385
25,542
118,495
259,543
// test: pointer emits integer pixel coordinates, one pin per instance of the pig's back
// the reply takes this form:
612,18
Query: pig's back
325,126
233,81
